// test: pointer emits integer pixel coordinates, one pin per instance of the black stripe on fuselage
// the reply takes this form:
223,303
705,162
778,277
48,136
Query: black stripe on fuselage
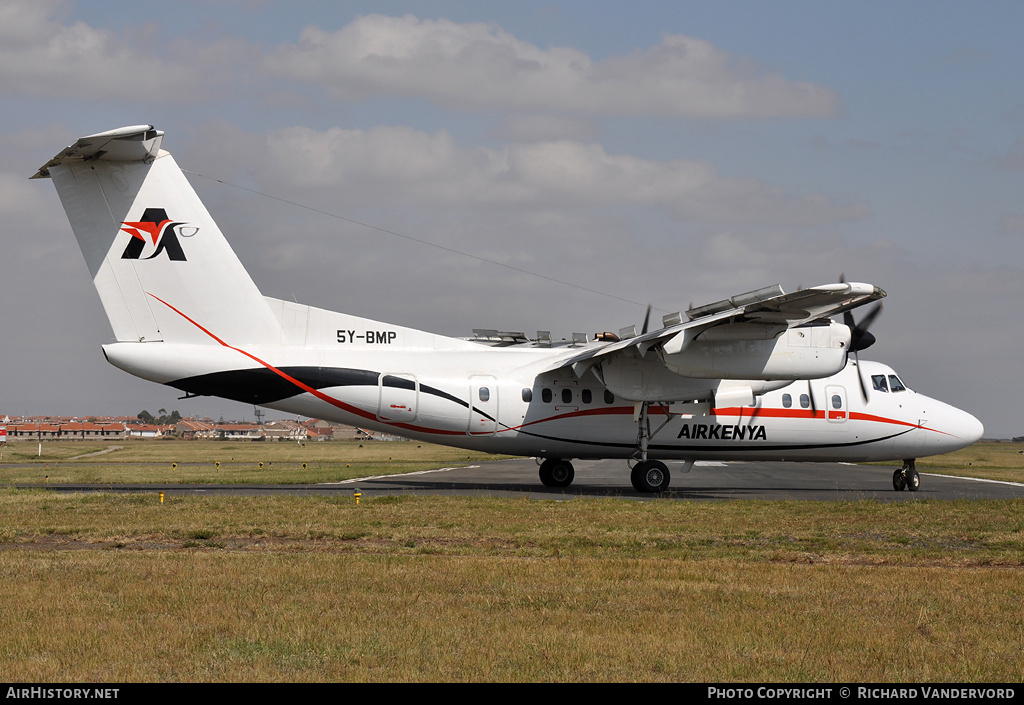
265,386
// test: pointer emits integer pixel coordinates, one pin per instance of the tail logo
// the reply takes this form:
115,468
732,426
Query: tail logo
161,230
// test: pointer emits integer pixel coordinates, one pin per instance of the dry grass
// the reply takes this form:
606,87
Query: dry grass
216,616
120,588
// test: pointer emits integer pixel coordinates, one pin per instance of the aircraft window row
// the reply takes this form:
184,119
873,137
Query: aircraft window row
787,401
586,396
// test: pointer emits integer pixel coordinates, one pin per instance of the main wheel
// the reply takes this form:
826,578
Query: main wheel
898,480
555,472
650,476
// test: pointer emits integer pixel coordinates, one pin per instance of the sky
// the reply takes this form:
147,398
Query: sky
537,166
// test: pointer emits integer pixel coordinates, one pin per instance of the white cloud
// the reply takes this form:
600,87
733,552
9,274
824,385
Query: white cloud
40,56
478,66
403,166
544,128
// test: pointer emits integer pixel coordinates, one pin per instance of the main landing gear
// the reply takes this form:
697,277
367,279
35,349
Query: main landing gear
555,472
649,476
906,478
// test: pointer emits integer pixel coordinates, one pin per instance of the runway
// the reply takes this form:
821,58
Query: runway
610,478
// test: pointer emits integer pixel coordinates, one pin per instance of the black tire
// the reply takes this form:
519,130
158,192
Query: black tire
913,480
555,472
634,477
650,477
898,480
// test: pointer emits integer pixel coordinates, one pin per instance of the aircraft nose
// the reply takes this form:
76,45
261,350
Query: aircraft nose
969,428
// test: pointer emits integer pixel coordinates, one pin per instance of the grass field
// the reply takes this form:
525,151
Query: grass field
108,587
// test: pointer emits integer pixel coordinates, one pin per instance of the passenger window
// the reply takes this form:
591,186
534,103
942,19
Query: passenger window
527,394
895,384
805,401
545,395
566,396
609,398
878,383
787,400
586,396
485,393
837,401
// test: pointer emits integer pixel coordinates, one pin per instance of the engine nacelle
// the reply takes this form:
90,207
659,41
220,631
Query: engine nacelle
761,351
646,378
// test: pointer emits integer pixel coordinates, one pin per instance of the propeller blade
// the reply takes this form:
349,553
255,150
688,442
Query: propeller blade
860,337
860,378
810,394
647,318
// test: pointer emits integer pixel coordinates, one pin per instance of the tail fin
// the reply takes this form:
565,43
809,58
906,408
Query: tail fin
163,269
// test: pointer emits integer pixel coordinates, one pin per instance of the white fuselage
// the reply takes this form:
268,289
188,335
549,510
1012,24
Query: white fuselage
500,400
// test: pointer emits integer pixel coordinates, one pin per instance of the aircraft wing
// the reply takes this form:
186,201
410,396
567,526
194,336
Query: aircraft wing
768,305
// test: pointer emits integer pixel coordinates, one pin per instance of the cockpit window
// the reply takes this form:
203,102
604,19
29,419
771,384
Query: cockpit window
895,384
878,383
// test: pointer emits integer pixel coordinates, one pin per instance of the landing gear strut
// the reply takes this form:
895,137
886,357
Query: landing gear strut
648,475
555,472
906,477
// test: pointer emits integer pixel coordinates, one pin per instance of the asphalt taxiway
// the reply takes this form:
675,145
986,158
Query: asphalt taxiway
610,478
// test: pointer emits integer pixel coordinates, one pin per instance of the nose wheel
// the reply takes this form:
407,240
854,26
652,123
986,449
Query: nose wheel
906,478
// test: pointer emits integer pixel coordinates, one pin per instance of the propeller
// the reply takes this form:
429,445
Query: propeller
860,339
647,319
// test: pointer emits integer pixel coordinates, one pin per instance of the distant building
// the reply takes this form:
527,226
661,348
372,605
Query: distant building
285,431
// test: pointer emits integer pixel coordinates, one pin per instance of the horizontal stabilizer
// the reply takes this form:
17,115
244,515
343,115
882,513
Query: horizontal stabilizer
137,143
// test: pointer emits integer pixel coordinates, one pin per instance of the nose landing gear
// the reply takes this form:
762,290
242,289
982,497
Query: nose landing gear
906,477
